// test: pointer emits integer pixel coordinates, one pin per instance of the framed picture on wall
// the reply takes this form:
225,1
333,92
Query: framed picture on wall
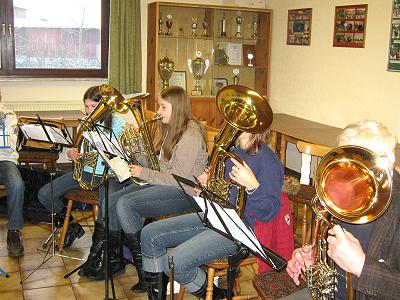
299,27
178,78
394,45
218,83
350,26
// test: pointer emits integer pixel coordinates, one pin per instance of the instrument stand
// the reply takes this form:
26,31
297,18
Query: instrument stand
52,236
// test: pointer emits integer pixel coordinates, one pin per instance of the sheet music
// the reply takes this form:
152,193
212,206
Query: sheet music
37,132
103,143
233,222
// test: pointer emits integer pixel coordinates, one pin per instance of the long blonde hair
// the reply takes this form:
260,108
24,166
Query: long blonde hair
168,135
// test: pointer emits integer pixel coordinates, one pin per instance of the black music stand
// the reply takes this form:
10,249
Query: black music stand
44,133
226,222
105,146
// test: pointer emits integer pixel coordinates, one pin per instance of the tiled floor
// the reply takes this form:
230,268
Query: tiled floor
48,281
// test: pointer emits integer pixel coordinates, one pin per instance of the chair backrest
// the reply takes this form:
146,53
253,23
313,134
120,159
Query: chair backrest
308,151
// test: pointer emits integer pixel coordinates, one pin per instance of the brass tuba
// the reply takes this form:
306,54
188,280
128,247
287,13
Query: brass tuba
242,110
353,185
111,101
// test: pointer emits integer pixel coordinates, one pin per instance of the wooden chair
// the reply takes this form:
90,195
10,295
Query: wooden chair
81,196
301,201
219,267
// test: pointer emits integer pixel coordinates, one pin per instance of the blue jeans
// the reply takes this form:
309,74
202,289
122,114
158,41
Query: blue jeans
15,186
194,245
66,183
150,201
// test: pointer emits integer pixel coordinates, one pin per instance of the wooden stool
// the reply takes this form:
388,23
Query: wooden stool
81,196
219,267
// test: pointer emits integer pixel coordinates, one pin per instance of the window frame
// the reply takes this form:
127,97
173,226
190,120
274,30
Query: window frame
8,51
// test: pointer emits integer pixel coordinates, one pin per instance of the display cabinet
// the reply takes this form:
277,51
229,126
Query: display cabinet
203,48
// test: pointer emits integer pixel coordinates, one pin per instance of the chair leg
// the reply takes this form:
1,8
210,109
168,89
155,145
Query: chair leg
181,293
210,283
304,224
95,209
66,224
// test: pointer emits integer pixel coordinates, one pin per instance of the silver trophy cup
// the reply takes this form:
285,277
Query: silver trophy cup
198,68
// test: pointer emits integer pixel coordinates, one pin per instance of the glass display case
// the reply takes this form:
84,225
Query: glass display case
203,48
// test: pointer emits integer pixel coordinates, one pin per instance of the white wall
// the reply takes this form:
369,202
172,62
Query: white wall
334,85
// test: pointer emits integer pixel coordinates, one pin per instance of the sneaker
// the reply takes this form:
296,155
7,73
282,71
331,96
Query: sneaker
14,246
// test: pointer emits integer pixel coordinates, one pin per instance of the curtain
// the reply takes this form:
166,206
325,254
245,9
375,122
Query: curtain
125,61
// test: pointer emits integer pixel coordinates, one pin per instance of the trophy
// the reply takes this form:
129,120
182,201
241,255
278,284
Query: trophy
205,28
255,25
223,26
235,77
194,26
165,69
169,24
160,23
250,56
198,68
239,21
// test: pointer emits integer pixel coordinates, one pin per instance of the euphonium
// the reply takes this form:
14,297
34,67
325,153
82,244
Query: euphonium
137,141
110,101
242,110
353,185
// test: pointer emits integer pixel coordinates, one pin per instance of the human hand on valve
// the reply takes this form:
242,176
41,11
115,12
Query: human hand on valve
243,175
73,154
202,178
135,170
301,259
345,250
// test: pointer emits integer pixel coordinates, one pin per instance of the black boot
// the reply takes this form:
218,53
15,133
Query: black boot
218,293
133,242
75,230
156,285
96,253
116,263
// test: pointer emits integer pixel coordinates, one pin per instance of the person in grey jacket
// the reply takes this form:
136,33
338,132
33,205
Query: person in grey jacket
181,150
11,178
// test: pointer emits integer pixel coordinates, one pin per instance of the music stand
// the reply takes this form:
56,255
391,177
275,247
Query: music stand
226,222
47,134
105,146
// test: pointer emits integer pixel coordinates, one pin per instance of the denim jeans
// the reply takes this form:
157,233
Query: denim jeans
151,201
194,245
66,183
15,186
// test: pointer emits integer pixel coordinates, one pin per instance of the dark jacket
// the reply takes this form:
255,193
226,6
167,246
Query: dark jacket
380,277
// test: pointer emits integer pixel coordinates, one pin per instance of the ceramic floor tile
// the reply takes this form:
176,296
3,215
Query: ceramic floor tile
33,231
9,264
50,293
3,248
11,283
127,283
31,261
32,245
95,290
75,278
3,230
14,295
45,278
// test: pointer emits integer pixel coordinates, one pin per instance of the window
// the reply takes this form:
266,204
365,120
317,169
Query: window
54,38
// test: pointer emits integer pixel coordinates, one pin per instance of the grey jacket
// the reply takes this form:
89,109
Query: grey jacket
189,158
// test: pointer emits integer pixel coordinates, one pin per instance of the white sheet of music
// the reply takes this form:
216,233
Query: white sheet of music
234,224
37,132
103,143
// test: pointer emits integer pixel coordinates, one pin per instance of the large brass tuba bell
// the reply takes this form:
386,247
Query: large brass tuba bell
354,185
243,110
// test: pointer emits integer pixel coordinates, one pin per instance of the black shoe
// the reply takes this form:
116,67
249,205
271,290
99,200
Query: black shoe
218,293
14,246
156,285
95,251
75,230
